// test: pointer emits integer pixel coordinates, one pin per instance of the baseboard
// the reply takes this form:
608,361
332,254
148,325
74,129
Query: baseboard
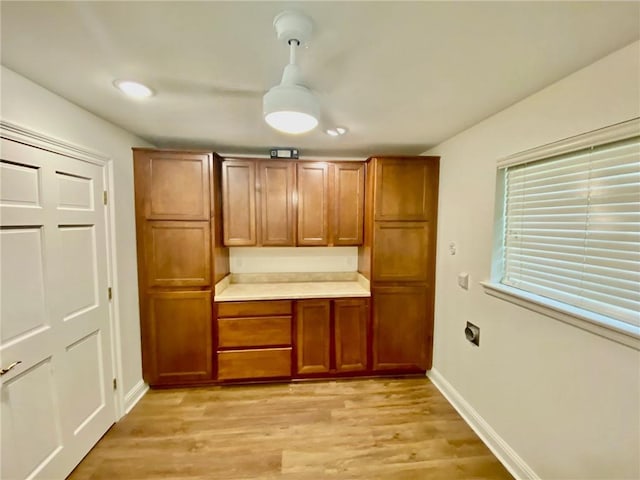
134,395
500,448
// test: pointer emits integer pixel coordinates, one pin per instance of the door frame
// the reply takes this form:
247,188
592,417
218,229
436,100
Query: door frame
33,138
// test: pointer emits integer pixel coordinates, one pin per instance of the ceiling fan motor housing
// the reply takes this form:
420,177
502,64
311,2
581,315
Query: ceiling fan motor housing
291,25
293,98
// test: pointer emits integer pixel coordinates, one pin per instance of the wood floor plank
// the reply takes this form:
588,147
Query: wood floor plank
391,429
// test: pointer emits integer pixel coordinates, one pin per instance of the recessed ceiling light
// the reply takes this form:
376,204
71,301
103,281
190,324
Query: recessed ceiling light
133,89
336,132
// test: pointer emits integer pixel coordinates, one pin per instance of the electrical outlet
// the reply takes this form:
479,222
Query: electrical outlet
472,333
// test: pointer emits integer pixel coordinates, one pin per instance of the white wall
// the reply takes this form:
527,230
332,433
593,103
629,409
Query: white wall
293,259
31,106
567,401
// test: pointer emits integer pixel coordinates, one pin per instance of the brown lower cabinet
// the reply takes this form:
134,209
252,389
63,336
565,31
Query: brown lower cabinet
331,336
351,327
254,340
179,338
402,324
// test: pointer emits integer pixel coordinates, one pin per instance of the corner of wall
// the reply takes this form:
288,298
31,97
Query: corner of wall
500,448
133,396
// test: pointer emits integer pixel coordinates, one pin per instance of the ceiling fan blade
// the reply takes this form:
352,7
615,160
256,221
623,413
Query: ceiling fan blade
324,74
191,87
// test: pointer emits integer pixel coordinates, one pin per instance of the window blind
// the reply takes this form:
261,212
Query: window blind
572,229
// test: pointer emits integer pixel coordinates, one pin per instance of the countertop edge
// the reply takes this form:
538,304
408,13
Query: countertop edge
248,298
223,291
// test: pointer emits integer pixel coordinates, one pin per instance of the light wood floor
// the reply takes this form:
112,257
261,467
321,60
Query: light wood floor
354,429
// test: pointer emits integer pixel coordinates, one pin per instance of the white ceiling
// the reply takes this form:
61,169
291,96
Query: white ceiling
400,76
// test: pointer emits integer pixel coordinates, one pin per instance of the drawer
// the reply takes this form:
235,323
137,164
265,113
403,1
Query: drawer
254,331
262,363
254,309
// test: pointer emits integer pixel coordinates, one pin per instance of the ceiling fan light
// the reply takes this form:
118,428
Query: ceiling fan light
291,122
291,109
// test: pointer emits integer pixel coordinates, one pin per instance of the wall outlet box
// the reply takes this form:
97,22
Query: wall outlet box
472,333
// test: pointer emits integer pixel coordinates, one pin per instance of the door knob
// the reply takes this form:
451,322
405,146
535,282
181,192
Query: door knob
10,367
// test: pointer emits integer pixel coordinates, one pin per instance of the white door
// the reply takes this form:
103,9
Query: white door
54,312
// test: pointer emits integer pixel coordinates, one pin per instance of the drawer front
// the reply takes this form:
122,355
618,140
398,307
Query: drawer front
263,363
251,309
254,331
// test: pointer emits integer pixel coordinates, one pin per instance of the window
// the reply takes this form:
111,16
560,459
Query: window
570,225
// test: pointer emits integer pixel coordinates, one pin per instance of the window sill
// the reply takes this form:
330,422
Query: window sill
614,330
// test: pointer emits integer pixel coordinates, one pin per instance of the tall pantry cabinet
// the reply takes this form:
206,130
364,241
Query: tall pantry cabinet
180,258
398,257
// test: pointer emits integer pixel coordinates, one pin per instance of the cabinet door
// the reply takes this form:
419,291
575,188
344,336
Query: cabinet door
179,341
178,254
351,320
348,203
401,252
313,203
405,188
239,202
275,187
401,324
176,185
313,336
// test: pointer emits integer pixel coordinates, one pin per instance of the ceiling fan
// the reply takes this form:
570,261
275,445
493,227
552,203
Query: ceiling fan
291,107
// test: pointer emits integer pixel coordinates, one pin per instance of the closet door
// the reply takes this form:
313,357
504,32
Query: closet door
57,398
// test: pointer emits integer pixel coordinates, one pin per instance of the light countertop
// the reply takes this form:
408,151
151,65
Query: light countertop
289,286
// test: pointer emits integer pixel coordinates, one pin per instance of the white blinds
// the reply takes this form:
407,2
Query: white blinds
572,229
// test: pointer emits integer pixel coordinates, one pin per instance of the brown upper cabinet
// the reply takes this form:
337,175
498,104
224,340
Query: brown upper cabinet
276,185
313,203
258,202
282,203
239,202
348,203
405,190
176,186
